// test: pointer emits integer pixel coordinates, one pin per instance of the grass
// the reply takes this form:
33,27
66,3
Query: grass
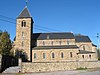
81,68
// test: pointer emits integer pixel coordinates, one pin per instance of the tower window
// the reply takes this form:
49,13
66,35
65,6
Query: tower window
62,55
71,54
22,43
83,56
23,24
53,55
44,56
22,34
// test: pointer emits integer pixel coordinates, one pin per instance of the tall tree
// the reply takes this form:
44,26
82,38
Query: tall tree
5,43
0,32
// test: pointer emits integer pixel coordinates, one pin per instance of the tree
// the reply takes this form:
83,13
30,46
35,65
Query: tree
5,43
0,32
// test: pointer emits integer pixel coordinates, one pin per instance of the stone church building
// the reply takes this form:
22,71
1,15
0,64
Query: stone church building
51,47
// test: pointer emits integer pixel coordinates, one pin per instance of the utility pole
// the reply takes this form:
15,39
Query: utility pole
98,45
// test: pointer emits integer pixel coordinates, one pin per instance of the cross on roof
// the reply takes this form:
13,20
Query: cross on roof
27,2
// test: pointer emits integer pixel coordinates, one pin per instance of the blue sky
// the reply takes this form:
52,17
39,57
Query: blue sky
77,16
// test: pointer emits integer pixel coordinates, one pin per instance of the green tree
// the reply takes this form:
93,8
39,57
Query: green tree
0,32
5,43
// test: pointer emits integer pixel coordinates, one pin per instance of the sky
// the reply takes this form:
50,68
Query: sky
77,16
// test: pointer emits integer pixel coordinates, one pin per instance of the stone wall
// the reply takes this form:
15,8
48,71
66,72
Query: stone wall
55,42
57,66
87,45
57,55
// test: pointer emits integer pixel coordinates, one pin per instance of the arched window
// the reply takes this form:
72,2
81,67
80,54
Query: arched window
22,43
44,55
34,55
83,47
67,42
59,42
48,37
23,24
53,55
90,56
62,55
43,43
71,54
83,56
22,34
52,43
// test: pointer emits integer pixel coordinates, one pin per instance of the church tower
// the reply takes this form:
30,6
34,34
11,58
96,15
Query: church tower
24,31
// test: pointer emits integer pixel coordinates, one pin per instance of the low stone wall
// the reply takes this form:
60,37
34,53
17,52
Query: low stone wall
56,66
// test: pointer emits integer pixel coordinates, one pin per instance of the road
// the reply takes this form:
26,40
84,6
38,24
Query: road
81,72
90,73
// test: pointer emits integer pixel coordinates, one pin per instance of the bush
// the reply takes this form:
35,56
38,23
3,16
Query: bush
99,58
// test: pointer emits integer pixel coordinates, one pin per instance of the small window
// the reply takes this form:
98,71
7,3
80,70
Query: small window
43,43
53,56
44,56
83,56
62,55
71,54
59,42
34,55
47,36
22,34
83,47
23,24
52,43
22,43
90,56
67,42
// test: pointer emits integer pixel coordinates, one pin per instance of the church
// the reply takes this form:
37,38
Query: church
51,47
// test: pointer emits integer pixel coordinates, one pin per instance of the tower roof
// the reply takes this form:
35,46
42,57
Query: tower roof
25,13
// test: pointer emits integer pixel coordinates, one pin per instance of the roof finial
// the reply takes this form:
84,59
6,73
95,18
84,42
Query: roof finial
26,3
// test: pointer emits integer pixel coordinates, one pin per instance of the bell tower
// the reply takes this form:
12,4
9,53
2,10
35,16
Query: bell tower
24,31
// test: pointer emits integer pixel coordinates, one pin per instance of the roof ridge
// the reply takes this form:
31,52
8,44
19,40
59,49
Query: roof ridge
55,32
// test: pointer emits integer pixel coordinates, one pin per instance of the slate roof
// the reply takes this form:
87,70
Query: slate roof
42,36
25,13
94,45
82,38
56,47
84,52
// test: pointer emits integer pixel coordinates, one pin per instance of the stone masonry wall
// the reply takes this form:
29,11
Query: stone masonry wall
57,66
